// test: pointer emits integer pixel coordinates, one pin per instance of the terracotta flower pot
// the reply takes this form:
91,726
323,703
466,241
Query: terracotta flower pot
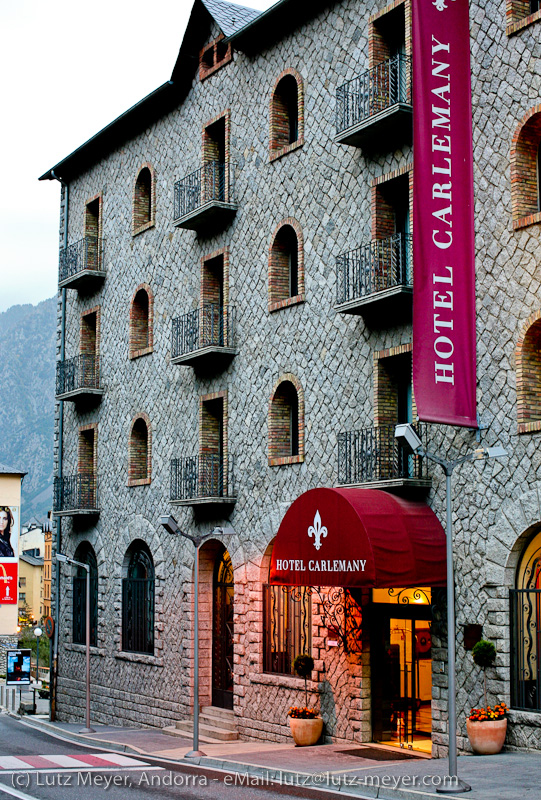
305,731
487,738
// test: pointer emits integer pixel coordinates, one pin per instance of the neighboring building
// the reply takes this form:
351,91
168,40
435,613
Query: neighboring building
10,515
31,587
33,540
236,276
47,563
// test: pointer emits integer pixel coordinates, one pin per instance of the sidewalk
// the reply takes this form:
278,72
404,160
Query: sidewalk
363,771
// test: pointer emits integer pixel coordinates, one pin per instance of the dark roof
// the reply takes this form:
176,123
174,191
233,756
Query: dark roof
34,561
230,17
276,22
4,470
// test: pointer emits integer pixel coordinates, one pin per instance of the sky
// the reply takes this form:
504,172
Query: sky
68,69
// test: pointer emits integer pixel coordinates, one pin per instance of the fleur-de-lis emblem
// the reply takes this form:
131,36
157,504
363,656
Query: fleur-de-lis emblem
440,4
317,530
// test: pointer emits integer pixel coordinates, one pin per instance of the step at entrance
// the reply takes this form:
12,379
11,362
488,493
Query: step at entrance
215,725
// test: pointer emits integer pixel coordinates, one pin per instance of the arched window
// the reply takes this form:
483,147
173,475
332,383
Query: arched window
528,364
143,201
287,624
141,333
139,456
525,180
85,555
526,630
286,424
286,114
286,266
138,600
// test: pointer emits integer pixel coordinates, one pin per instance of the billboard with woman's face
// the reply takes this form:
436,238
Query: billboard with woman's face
9,533
9,554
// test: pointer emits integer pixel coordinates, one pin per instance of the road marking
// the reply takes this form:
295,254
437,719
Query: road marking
11,762
66,761
80,761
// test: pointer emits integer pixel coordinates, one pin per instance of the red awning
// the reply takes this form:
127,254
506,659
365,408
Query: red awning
358,537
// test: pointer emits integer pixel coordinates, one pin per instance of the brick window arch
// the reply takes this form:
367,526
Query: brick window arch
286,265
528,367
141,321
525,170
139,451
143,200
286,422
286,114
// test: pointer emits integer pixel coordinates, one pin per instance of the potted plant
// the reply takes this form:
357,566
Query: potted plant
305,723
486,726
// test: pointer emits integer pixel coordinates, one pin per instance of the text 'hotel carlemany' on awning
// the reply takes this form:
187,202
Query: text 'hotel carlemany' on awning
358,538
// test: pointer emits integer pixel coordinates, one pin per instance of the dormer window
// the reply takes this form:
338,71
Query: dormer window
214,55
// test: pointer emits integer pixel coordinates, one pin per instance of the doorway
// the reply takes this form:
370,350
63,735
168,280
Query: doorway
222,633
401,665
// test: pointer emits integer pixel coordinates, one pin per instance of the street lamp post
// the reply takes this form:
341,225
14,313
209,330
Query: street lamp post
171,526
406,434
61,558
37,634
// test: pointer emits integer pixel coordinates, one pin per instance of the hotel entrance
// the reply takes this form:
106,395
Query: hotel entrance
401,667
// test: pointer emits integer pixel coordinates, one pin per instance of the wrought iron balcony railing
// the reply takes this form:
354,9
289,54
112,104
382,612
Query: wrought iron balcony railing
373,267
86,254
211,325
373,91
206,476
79,373
76,494
373,454
205,184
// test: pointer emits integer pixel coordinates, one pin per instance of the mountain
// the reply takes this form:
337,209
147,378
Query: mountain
27,376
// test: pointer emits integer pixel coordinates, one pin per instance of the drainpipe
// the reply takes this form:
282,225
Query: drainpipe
54,642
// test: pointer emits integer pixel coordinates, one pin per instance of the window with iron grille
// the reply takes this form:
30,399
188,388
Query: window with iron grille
138,601
86,555
526,630
287,626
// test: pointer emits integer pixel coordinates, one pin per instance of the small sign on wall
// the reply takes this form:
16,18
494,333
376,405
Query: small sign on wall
333,636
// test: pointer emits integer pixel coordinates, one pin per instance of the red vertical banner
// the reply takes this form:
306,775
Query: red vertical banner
444,351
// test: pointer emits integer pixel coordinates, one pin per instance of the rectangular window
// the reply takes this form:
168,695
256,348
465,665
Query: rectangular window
22,582
287,626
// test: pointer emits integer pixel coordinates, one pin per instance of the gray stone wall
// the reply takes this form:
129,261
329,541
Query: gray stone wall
326,188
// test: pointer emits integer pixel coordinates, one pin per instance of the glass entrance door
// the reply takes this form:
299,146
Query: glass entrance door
401,680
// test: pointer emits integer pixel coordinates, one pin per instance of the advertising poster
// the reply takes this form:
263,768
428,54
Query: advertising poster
9,554
18,667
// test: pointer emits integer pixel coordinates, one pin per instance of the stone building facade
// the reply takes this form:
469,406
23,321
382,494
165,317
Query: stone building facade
214,348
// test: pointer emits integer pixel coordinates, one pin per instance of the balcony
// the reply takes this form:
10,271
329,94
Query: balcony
82,264
375,107
78,378
203,480
377,276
204,337
202,199
373,457
76,496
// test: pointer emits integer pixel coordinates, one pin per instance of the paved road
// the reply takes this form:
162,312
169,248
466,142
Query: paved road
36,766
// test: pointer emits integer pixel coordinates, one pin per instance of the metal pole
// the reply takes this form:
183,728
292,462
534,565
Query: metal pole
456,785
87,729
37,670
196,751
